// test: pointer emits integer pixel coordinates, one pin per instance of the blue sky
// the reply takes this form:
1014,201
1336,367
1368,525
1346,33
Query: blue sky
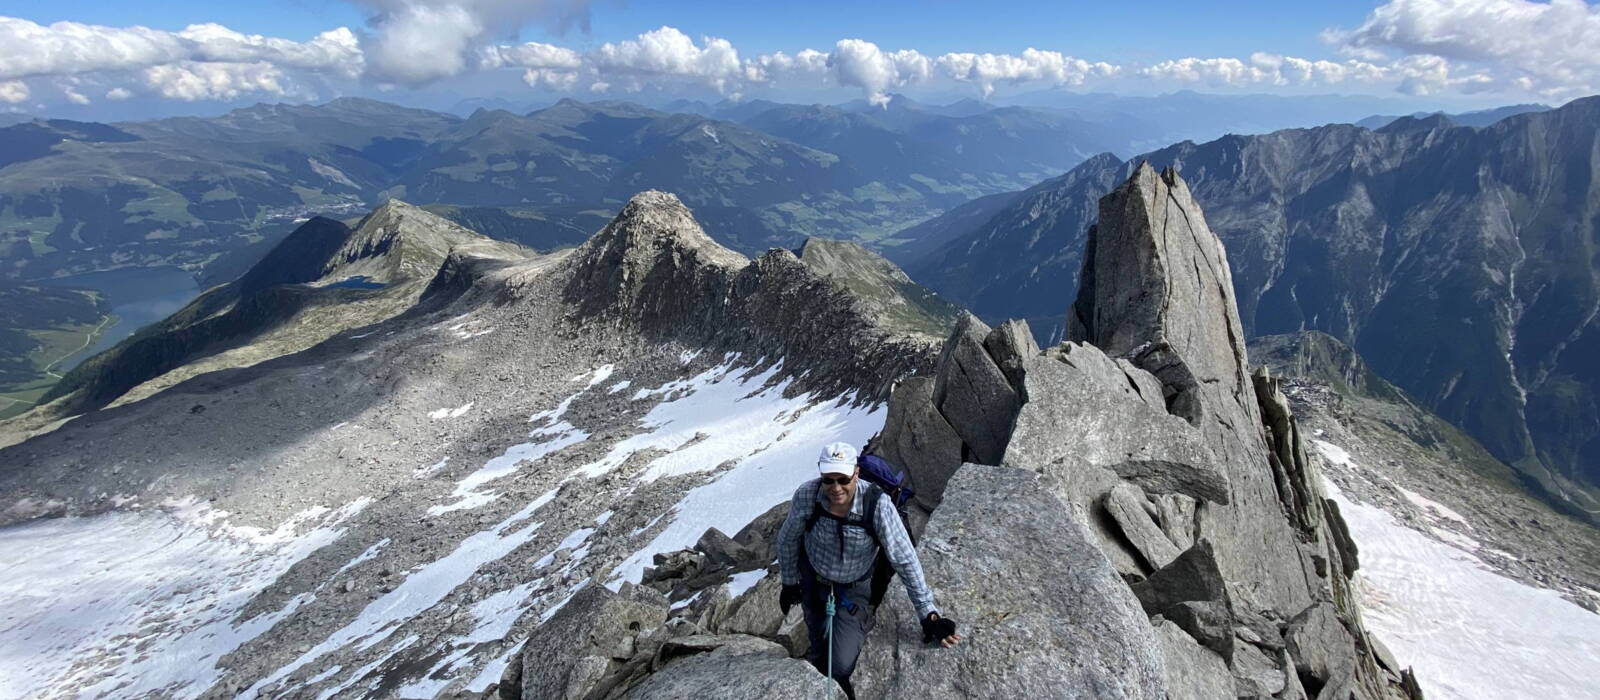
1090,29
83,56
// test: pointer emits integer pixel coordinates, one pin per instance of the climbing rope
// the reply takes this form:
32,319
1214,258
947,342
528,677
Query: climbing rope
829,628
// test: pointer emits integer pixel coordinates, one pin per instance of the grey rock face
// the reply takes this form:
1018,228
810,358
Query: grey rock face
1318,209
883,290
1193,672
1065,625
582,650
654,271
974,394
1157,288
1126,504
918,439
1088,418
724,674
1314,638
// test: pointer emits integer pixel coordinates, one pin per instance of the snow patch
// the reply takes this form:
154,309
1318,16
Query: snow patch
1446,613
365,555
425,472
468,493
744,580
418,592
457,412
106,603
1431,507
771,440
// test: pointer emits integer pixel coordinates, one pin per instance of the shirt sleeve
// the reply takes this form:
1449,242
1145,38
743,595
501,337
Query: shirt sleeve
900,552
789,536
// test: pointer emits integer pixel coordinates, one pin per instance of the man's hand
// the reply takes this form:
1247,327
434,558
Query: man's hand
788,597
938,628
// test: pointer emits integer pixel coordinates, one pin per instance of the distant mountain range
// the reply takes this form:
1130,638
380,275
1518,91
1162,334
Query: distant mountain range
78,196
1460,261
1483,117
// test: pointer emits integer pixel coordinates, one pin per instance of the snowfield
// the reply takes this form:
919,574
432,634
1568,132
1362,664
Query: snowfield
130,604
1470,633
137,603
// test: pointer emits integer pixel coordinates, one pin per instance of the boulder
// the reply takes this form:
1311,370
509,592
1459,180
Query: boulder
1256,674
1085,417
722,551
1193,672
756,612
761,535
1011,345
1321,645
735,673
917,439
1175,515
732,644
973,394
1041,610
1126,504
585,645
1208,622
1193,576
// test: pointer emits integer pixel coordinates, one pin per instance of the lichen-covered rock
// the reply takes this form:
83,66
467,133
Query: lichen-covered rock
1042,611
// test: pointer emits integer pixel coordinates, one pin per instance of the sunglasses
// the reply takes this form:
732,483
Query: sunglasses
837,481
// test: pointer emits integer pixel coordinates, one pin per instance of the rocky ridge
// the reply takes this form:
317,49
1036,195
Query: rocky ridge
672,383
1176,545
326,278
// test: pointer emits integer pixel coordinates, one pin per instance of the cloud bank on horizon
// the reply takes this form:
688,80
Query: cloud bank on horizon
1514,49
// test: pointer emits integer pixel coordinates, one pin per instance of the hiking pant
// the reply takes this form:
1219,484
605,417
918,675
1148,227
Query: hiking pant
850,626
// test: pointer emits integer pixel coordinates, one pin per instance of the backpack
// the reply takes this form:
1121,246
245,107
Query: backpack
889,482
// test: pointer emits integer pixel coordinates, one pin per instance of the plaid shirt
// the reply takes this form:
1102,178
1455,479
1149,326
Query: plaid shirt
822,544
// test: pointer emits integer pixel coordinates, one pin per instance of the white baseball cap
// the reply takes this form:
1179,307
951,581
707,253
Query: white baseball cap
837,458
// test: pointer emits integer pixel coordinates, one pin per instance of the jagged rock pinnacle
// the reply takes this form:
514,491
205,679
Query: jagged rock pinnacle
1156,282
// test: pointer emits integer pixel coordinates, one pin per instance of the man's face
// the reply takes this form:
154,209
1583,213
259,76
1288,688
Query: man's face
840,494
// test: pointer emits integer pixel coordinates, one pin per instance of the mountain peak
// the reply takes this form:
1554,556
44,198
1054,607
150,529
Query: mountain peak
653,249
655,220
1172,309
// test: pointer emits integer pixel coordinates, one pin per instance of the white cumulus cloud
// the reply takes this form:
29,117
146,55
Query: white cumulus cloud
858,63
420,41
14,91
1549,48
670,54
190,81
1033,66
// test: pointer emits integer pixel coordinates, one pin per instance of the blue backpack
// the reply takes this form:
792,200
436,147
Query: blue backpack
894,483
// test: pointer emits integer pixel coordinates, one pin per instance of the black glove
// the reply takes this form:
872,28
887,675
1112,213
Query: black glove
935,629
789,596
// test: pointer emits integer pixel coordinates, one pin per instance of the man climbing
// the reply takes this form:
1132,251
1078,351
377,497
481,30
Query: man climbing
826,551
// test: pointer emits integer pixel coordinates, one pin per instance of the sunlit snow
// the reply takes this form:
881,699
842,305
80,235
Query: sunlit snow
140,602
1469,632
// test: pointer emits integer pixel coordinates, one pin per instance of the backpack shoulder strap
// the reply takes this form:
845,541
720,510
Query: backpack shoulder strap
870,514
